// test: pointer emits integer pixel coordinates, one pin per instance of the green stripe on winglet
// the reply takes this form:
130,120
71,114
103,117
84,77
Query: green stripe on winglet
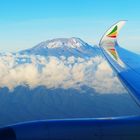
114,30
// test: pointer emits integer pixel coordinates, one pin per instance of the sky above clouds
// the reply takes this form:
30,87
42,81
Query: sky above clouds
25,23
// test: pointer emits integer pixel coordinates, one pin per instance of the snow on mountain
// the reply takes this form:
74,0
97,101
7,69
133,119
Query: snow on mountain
62,46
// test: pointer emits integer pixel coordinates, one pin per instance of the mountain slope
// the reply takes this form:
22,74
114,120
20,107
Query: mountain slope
63,47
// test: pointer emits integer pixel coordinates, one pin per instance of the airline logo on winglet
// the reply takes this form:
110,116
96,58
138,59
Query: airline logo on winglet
109,42
113,33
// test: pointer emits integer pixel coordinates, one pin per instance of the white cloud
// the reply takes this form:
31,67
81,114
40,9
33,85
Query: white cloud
53,72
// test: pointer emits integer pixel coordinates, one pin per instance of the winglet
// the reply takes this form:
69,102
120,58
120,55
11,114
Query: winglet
109,40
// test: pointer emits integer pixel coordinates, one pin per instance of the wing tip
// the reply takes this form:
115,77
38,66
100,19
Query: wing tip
113,32
109,39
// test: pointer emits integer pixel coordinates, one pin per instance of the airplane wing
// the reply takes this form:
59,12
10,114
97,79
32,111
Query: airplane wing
125,63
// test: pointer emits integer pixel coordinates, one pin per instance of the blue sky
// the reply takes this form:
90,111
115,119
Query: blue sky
25,23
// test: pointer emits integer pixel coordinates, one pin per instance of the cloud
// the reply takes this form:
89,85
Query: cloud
54,72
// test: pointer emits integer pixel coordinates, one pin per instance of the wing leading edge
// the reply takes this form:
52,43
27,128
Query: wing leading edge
127,73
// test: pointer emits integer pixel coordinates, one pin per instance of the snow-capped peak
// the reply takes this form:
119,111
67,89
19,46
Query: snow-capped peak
62,42
61,47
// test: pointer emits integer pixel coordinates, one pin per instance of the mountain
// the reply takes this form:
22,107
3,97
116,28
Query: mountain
63,47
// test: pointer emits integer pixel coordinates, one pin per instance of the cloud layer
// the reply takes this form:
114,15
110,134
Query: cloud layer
53,72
